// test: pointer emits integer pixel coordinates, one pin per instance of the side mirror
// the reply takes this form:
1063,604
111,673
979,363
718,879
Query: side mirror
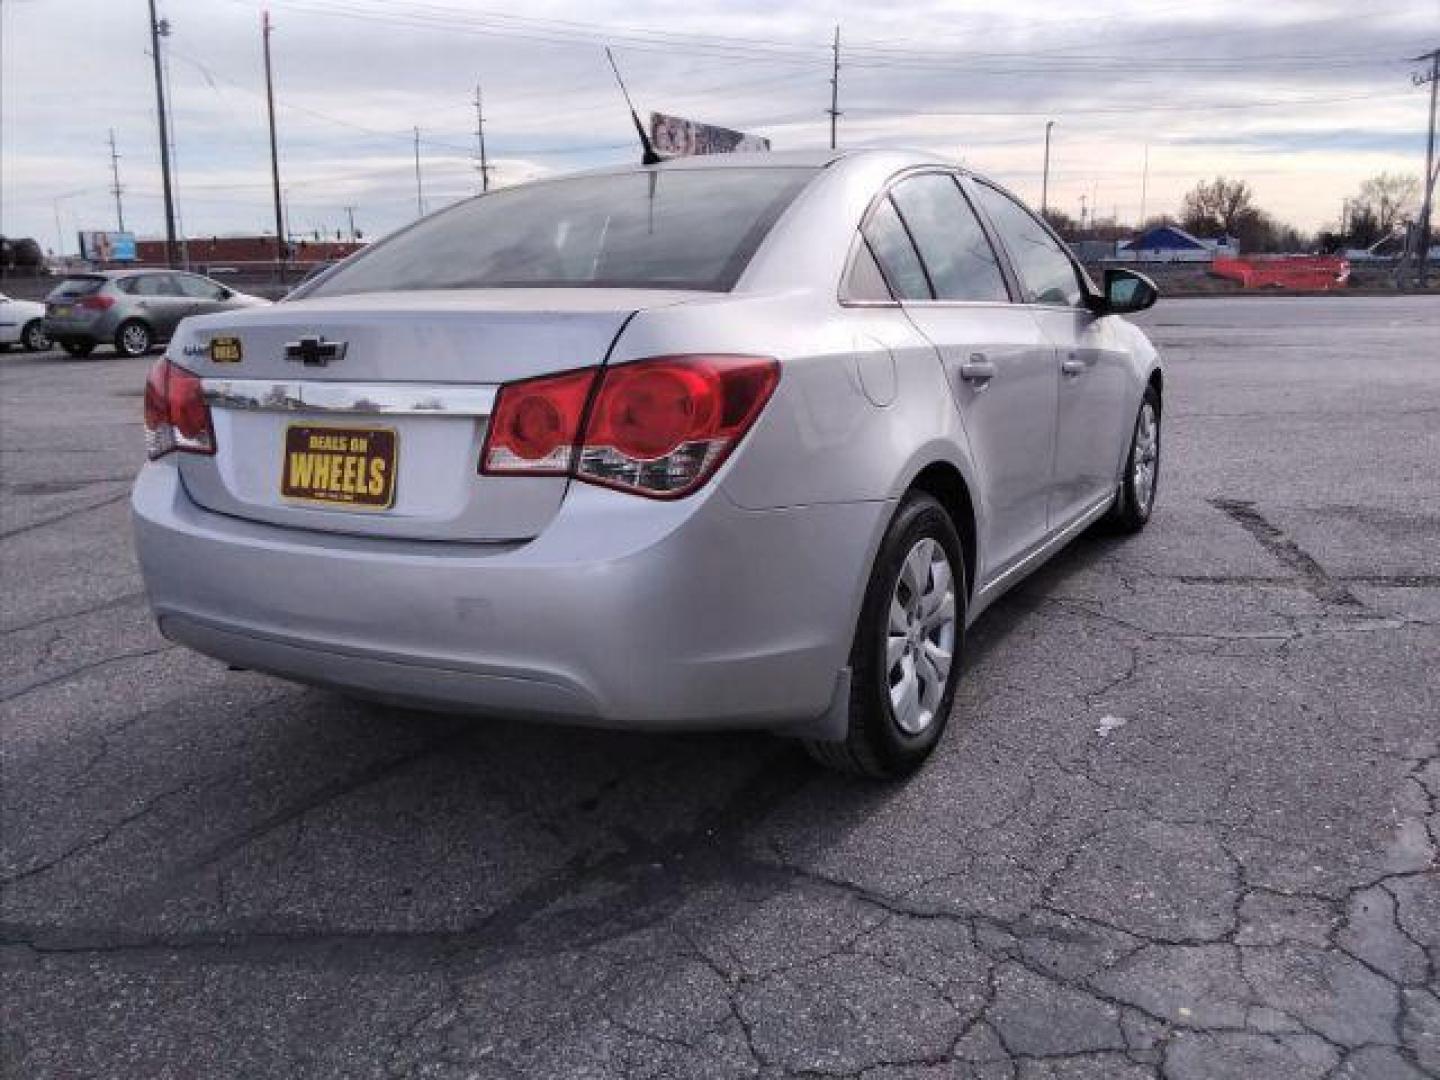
1126,291
226,294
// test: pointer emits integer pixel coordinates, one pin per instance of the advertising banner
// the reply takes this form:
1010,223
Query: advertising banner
674,136
100,246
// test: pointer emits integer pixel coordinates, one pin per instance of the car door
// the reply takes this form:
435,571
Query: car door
160,302
996,360
167,301
1091,366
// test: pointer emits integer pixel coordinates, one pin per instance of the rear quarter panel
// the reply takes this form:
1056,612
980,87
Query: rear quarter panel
860,408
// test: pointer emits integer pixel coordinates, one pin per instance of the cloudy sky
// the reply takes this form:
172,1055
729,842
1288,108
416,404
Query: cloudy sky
1303,98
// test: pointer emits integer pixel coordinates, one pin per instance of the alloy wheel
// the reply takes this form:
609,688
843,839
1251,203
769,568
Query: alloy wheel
135,340
1147,456
920,636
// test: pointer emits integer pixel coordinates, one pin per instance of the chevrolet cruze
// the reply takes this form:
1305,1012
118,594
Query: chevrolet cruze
741,441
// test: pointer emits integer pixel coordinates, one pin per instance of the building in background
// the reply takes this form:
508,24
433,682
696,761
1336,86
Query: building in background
1170,243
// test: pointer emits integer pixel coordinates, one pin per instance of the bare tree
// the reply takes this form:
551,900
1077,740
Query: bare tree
1218,207
1388,200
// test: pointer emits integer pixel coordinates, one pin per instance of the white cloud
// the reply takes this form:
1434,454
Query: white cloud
976,82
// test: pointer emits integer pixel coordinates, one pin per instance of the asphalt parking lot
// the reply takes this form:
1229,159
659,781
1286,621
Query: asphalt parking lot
1185,822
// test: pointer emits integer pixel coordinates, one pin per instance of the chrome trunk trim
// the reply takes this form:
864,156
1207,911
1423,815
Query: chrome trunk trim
385,399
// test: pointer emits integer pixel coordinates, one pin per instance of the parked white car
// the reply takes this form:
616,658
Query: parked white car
22,322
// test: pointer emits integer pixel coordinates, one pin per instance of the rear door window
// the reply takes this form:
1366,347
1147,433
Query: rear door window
1046,272
890,241
156,285
951,242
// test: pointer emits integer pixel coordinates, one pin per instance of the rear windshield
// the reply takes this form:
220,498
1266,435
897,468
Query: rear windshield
680,229
78,286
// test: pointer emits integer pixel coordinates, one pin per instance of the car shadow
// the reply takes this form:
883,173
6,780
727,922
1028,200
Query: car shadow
332,823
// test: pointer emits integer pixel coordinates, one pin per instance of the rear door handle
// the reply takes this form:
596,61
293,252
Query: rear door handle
977,369
1073,366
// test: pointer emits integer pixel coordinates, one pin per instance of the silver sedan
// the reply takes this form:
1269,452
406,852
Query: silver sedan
744,441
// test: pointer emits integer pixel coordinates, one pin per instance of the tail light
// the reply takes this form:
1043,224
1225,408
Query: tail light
96,303
176,416
658,427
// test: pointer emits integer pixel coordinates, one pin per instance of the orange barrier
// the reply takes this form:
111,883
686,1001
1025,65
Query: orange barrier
1310,272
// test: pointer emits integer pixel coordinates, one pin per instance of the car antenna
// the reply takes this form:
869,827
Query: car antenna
648,156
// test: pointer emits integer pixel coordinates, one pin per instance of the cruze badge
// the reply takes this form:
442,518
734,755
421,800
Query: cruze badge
314,351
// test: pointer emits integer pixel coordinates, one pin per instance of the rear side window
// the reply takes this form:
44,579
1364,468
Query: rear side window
155,285
78,286
865,281
1046,273
666,228
952,244
889,240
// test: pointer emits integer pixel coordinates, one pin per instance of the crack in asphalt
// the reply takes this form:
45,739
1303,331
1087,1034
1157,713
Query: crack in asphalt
1287,552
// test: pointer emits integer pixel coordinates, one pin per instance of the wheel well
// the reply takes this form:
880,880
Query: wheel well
945,484
1157,380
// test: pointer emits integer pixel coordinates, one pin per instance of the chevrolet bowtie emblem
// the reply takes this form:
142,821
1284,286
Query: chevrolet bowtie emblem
315,351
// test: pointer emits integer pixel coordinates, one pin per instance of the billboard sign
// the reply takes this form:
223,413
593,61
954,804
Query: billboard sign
674,136
106,247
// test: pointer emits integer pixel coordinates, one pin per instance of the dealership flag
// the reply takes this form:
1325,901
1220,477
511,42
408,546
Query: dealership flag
674,136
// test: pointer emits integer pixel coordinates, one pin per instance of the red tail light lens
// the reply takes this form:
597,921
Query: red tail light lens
657,427
535,425
176,416
96,303
662,427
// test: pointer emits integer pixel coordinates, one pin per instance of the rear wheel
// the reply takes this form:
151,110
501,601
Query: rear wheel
79,349
132,338
1136,498
34,337
905,661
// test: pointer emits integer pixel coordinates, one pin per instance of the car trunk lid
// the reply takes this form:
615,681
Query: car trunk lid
307,396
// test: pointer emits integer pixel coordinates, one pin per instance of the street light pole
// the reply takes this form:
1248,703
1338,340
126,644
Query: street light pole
1045,179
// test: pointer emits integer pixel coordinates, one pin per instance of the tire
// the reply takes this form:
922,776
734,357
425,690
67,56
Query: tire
78,349
888,739
34,337
1136,498
133,338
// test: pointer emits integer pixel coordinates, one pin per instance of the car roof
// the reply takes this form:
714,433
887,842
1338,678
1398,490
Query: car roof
770,159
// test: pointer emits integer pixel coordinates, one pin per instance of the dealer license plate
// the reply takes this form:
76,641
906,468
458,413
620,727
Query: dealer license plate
341,467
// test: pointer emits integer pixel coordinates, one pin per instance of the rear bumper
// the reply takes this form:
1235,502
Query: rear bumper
625,613
98,329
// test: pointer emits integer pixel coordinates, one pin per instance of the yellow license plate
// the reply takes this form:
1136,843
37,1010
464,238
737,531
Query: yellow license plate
341,467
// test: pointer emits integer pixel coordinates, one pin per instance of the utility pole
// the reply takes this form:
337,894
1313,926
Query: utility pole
480,137
1045,177
834,109
1144,186
1422,252
350,213
419,188
115,188
281,240
161,28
